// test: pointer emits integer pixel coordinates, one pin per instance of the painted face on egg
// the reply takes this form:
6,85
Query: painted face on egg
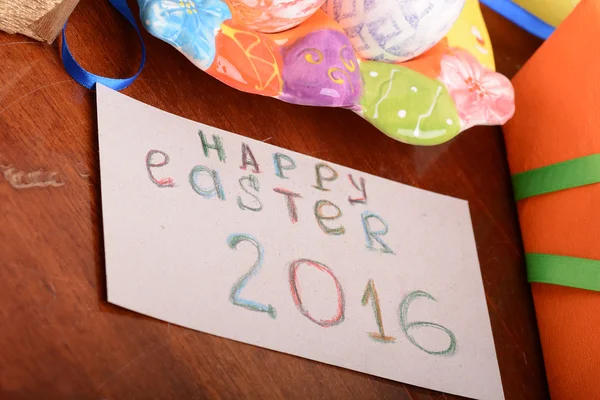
321,70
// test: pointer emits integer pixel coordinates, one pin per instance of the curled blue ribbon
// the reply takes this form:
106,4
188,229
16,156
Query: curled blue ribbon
88,79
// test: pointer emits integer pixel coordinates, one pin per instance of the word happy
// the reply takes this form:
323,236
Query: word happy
207,183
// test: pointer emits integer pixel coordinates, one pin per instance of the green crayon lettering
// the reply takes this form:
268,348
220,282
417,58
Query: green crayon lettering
216,189
333,175
253,183
217,145
320,217
279,167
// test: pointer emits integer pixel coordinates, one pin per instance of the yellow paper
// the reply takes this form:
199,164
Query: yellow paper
552,12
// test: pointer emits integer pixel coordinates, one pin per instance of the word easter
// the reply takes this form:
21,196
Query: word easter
250,185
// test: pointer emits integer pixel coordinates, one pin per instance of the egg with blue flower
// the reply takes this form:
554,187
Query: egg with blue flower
189,25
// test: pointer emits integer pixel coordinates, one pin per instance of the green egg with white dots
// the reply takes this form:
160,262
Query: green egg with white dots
407,105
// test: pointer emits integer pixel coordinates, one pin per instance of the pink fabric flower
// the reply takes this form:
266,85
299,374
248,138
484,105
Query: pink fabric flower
481,96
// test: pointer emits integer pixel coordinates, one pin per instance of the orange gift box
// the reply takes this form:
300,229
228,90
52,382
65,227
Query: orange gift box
557,120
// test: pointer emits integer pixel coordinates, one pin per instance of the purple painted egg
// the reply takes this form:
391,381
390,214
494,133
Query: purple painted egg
321,70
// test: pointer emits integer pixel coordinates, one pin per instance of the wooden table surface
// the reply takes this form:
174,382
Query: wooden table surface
60,339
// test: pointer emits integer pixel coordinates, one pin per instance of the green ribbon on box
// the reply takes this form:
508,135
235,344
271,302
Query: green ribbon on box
560,176
574,272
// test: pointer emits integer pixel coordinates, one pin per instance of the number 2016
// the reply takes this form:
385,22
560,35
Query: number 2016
370,293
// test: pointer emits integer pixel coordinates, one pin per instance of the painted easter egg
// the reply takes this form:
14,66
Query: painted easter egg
273,15
321,70
247,61
188,25
470,33
318,22
407,105
394,30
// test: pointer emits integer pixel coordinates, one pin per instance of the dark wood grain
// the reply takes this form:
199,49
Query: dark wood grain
60,339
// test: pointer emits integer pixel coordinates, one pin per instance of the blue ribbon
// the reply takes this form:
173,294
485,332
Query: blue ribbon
88,79
520,17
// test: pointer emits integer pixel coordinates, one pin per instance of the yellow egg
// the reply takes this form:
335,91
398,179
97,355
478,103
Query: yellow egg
470,33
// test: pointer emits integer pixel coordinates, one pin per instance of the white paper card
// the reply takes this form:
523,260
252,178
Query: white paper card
304,257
